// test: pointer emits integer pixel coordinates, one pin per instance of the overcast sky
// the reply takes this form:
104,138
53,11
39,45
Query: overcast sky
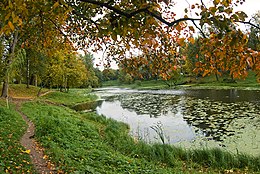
249,6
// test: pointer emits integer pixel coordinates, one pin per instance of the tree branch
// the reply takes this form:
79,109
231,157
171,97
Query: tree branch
155,15
118,11
170,24
249,23
203,34
58,28
202,3
145,10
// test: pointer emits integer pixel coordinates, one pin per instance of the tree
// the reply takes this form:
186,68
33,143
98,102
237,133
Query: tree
129,25
115,27
109,74
191,54
254,33
92,79
66,70
23,24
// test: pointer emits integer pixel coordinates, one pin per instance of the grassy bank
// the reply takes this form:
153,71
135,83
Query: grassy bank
13,157
208,82
86,142
69,99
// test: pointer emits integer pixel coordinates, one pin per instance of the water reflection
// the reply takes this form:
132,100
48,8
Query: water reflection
223,118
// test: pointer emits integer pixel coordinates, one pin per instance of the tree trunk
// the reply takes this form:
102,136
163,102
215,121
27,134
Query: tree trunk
28,73
216,75
9,62
5,89
36,81
39,91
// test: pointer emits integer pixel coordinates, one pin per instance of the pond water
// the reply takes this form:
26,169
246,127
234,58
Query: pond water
229,119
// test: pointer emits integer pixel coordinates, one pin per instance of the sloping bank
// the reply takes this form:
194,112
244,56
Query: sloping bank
89,143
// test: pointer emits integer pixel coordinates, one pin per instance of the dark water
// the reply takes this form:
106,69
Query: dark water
228,119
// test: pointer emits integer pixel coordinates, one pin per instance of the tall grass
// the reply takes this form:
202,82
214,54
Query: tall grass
79,144
86,142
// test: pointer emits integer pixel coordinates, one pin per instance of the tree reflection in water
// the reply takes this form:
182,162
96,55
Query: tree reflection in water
213,119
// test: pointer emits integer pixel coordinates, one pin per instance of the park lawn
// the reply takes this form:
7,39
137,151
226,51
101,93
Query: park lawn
13,157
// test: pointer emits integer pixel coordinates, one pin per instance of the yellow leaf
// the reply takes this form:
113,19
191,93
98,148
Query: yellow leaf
26,151
181,41
20,21
11,25
7,16
191,40
56,4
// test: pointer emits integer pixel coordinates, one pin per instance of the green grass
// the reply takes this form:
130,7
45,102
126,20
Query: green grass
79,142
86,142
249,82
207,82
145,84
21,90
71,98
12,156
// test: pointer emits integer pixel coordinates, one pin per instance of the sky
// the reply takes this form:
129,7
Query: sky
250,7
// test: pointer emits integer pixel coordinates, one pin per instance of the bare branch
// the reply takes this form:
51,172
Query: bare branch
142,10
58,28
170,24
203,34
249,23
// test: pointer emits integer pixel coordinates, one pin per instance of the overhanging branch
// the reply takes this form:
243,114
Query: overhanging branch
154,14
142,10
170,24
249,23
116,10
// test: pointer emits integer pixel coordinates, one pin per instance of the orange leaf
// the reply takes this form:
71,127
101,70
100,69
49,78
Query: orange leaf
11,25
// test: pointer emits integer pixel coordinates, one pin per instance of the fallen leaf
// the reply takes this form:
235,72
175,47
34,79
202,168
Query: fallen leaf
26,151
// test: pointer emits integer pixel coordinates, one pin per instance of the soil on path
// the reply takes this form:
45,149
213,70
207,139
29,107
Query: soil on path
39,160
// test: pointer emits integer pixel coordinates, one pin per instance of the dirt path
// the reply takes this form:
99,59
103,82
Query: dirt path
39,160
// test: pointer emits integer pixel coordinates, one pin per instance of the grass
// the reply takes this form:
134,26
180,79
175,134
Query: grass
13,158
249,82
71,98
21,91
86,142
79,142
145,84
207,82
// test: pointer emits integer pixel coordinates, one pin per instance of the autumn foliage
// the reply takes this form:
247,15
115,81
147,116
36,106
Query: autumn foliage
146,37
228,53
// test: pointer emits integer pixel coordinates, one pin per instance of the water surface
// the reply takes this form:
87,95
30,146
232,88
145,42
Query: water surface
192,118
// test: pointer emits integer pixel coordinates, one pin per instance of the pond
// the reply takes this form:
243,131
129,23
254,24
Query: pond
229,119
